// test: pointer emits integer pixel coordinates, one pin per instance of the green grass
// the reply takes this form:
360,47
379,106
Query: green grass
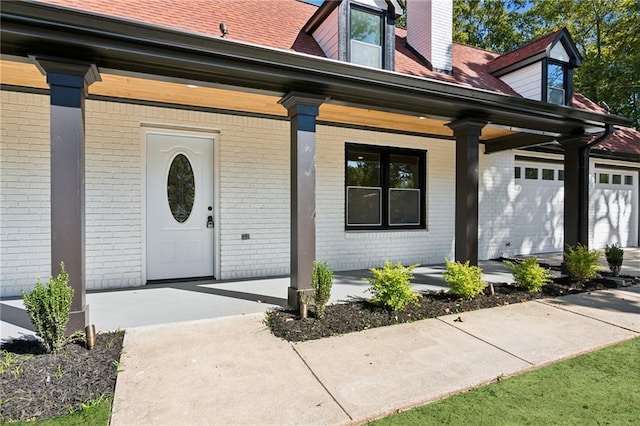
97,414
599,388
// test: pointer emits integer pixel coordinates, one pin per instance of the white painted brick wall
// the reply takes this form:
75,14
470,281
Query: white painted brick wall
254,198
361,249
496,197
25,242
254,174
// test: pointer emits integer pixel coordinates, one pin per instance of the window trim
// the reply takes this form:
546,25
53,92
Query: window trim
567,87
385,152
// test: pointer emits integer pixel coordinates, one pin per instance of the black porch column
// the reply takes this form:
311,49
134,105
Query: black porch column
68,84
576,190
467,133
303,110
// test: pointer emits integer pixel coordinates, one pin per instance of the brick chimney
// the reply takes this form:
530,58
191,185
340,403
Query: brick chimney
430,31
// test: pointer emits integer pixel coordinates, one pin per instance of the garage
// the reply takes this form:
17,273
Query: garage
613,206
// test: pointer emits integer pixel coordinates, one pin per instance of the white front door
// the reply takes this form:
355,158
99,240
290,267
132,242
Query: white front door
179,206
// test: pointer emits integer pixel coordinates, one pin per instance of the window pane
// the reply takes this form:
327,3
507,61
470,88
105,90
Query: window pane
530,173
363,168
560,174
548,174
369,55
555,76
180,188
517,172
616,179
404,207
628,180
366,27
603,178
366,38
555,84
364,206
403,171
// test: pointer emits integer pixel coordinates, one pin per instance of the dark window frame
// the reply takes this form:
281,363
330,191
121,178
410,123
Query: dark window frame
567,86
385,152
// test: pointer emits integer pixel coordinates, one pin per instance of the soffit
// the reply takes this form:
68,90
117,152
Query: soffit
140,89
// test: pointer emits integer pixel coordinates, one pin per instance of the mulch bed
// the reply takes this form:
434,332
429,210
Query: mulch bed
356,315
37,385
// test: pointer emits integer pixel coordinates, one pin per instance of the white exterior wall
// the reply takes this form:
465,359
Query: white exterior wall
496,203
254,197
526,81
25,208
365,249
326,35
254,176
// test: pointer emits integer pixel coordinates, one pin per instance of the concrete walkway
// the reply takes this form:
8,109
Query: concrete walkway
232,371
198,353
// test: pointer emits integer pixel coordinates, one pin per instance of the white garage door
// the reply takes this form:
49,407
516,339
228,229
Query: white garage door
613,205
538,208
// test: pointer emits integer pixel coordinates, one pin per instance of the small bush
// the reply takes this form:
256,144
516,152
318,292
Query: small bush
321,281
390,286
582,264
465,280
614,255
529,274
48,307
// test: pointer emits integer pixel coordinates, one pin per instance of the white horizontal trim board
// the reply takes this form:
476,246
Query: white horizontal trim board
252,182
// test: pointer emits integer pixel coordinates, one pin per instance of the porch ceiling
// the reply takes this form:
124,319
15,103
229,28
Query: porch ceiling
24,74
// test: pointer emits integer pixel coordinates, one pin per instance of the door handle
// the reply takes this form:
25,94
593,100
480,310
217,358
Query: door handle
210,223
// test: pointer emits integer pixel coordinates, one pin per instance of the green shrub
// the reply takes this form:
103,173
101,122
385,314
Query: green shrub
390,286
614,255
529,274
48,307
321,281
465,280
581,263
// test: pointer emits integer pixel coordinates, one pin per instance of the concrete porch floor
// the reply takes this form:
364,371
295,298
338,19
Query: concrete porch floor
189,301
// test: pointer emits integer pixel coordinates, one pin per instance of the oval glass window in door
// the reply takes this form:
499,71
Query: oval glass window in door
181,188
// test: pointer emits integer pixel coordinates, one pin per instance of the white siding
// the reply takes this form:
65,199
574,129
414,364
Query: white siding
526,81
559,53
326,35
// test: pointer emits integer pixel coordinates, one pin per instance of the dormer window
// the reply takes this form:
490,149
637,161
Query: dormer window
366,37
358,31
541,70
556,83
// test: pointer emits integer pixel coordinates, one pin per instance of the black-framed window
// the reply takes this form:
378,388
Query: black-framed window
557,87
366,37
384,187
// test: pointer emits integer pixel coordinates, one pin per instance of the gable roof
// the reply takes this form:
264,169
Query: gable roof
279,24
534,51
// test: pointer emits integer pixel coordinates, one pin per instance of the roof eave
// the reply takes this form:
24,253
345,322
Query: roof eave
31,29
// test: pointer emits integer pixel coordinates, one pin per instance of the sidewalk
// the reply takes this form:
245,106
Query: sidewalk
233,371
